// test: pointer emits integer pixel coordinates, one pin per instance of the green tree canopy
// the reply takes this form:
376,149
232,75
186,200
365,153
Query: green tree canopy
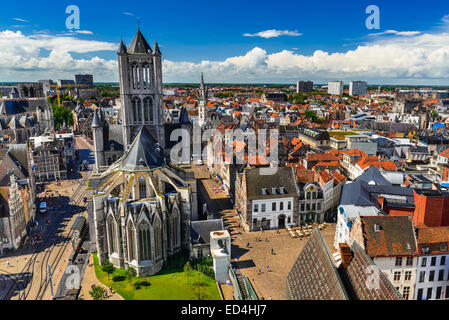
97,293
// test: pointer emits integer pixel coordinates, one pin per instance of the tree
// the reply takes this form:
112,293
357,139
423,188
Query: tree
97,293
434,115
131,273
61,115
108,267
297,98
199,284
188,270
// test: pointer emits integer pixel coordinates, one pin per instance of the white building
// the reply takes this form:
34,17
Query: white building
335,88
267,201
358,88
432,276
390,241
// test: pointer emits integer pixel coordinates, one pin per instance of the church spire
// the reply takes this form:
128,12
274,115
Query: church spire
122,48
139,44
156,49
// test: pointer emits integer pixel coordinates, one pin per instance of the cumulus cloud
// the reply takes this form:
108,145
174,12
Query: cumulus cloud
267,34
416,57
398,58
25,57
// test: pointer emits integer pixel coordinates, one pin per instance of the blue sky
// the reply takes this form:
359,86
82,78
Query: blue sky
318,41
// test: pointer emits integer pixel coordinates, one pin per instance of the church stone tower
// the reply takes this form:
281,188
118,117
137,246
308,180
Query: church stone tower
202,96
140,73
97,130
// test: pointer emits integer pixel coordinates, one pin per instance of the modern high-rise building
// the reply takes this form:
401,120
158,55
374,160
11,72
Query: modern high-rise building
304,86
85,79
357,88
335,88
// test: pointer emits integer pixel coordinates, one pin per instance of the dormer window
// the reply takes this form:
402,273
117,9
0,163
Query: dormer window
282,190
376,228
264,191
443,246
273,191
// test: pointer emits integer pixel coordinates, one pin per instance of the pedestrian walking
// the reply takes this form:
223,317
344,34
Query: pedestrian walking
7,264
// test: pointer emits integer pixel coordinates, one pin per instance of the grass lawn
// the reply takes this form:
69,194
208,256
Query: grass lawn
167,285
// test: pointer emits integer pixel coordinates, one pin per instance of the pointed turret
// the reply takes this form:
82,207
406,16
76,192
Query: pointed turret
122,49
139,45
184,116
156,49
96,123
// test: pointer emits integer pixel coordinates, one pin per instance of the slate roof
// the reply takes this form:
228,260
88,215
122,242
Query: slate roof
96,122
356,193
114,136
184,116
144,154
284,177
395,238
314,275
200,230
139,45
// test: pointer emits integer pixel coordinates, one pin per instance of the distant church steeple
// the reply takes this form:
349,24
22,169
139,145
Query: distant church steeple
140,72
202,106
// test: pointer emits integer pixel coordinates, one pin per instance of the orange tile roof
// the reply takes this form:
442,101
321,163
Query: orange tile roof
444,153
295,141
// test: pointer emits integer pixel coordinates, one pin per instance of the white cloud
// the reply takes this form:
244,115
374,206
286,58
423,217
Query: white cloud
128,14
393,59
267,34
397,33
84,32
28,57
401,57
21,20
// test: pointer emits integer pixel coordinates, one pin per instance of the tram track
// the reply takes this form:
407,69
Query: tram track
49,244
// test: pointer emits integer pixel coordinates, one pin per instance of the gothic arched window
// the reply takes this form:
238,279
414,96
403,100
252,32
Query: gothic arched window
142,188
137,110
175,228
148,109
144,241
131,242
157,238
112,234
146,76
138,76
134,77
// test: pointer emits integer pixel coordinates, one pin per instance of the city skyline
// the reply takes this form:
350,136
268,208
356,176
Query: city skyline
266,45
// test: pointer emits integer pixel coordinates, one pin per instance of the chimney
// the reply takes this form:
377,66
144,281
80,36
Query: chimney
381,200
346,254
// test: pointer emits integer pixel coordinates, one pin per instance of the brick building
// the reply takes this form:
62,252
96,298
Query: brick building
432,208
